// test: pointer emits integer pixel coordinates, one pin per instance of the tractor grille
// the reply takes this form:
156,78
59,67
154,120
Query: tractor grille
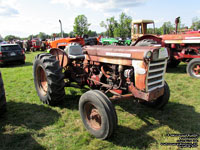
156,73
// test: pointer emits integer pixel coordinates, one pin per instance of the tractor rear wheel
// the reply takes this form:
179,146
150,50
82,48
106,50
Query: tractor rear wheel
173,63
98,114
193,68
160,102
2,96
48,79
146,42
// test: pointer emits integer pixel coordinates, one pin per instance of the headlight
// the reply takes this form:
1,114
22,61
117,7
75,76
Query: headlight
148,55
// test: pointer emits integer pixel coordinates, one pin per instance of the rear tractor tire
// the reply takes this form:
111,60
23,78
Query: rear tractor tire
193,68
48,79
160,102
146,42
98,114
2,97
173,63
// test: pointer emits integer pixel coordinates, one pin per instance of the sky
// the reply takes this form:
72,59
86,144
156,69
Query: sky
26,17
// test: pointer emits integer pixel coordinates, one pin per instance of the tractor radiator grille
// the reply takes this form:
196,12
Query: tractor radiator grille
156,73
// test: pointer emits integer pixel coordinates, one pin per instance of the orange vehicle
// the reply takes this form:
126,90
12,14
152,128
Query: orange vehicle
61,43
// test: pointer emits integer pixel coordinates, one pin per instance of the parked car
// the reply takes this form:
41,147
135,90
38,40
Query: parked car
11,53
2,97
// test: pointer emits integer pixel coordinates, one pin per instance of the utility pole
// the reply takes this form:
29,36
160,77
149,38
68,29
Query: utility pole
61,28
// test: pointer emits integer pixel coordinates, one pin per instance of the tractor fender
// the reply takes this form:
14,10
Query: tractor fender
148,36
61,56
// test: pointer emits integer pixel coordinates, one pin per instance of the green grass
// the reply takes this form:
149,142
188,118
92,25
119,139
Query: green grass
29,124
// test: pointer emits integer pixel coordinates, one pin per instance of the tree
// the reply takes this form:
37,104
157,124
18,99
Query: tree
11,38
158,31
110,26
65,34
1,38
81,25
167,27
195,23
92,33
103,25
42,35
115,29
124,26
71,34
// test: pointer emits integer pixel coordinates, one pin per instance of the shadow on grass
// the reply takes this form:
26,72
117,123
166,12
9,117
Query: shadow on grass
181,69
17,64
72,99
20,117
179,117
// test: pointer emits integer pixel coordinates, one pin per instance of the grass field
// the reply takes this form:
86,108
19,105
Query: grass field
29,124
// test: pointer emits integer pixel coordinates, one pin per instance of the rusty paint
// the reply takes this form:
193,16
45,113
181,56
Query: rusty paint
196,69
98,82
179,36
42,80
173,45
121,97
146,96
116,92
105,74
125,51
140,79
109,60
179,56
93,116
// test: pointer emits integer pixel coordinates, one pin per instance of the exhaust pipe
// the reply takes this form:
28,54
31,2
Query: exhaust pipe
177,20
61,28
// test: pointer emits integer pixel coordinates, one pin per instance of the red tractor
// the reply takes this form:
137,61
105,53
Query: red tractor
183,46
35,44
124,72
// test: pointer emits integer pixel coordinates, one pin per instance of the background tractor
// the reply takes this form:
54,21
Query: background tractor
115,41
182,45
140,28
35,44
123,71
63,42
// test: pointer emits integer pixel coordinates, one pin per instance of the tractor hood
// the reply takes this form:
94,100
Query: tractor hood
120,54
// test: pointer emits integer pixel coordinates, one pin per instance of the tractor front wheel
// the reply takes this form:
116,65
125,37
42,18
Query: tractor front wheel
160,102
193,68
48,79
98,114
173,63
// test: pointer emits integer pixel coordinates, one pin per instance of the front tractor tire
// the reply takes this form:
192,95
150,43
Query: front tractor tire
160,102
98,114
193,68
48,79
173,63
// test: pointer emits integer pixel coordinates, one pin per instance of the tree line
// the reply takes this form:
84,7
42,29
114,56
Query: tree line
113,28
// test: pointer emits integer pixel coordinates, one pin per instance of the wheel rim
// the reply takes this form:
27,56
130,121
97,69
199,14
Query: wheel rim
93,116
42,80
196,70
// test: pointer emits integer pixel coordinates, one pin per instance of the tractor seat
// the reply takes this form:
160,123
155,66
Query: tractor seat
75,52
